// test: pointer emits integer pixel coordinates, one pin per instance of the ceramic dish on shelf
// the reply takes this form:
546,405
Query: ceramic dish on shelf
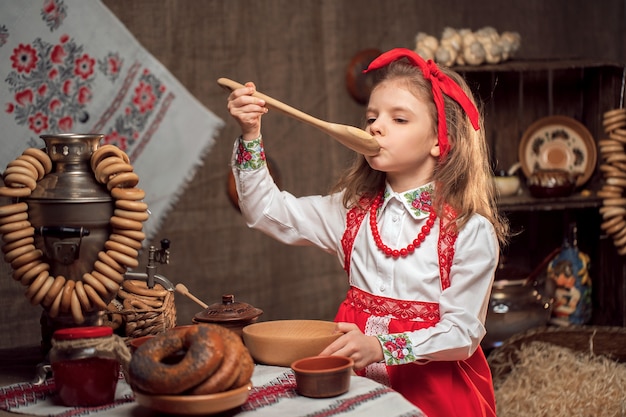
558,142
195,404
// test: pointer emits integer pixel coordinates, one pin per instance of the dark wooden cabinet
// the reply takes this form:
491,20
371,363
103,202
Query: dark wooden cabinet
516,94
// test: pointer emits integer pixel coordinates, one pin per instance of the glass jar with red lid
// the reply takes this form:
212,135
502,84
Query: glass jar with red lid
85,365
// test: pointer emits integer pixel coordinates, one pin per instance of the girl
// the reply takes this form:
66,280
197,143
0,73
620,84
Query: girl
415,227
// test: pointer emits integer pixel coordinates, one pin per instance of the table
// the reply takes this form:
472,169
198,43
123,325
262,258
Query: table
273,394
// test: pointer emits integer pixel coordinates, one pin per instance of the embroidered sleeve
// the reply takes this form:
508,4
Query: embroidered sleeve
397,348
250,154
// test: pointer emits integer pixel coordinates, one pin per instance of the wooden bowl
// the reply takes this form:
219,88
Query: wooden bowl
323,376
282,342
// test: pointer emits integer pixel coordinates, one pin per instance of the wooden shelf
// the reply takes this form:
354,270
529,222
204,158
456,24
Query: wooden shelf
526,202
537,65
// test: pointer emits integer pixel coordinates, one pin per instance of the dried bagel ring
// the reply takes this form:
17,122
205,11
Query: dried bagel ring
616,227
137,235
27,277
55,307
103,257
94,297
39,296
615,202
14,226
13,209
41,170
106,151
20,170
22,270
123,259
24,164
121,223
8,247
20,180
141,288
36,285
123,180
95,284
133,194
15,192
54,291
125,240
82,296
619,233
99,172
611,222
108,283
17,252
126,250
619,241
131,205
106,173
17,217
19,234
41,156
75,309
66,301
140,216
108,271
26,259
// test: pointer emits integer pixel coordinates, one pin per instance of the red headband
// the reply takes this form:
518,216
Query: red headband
440,82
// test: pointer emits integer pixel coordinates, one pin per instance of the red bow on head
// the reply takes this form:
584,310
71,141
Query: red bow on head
441,84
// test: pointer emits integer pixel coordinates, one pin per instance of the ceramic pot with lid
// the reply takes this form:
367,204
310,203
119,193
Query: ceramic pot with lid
234,315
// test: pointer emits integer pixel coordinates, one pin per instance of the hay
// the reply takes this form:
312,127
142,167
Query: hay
555,381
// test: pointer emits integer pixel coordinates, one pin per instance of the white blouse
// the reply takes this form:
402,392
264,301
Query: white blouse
321,221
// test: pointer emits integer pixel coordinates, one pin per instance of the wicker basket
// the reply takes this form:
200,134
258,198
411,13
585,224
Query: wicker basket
599,340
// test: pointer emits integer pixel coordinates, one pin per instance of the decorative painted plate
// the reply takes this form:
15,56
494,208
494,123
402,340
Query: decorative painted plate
558,142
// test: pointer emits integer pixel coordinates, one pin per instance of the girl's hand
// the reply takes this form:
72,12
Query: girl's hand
247,110
361,348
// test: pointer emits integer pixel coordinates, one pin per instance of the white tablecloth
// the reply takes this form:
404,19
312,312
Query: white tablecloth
273,394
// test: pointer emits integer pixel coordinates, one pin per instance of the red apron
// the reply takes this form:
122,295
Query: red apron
438,388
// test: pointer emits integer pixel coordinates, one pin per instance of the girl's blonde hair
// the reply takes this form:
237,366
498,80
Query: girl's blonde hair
463,177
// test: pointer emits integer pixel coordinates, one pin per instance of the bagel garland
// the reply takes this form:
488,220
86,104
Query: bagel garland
214,359
61,295
613,169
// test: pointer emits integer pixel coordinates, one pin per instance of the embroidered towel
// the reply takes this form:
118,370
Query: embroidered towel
72,66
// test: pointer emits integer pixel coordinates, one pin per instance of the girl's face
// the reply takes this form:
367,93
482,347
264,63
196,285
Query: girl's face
402,125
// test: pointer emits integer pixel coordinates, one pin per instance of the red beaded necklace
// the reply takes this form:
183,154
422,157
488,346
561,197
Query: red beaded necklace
396,253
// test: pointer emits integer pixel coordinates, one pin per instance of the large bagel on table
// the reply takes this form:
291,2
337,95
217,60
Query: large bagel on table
196,360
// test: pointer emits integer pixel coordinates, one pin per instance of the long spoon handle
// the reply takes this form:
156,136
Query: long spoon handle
181,289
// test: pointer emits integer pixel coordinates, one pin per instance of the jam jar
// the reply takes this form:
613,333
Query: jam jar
84,367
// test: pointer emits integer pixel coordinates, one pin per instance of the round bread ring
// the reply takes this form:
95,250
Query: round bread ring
619,233
615,201
56,305
54,291
32,273
123,180
79,289
149,301
119,247
105,163
94,297
136,304
204,351
20,170
131,205
137,235
121,223
26,259
17,217
36,285
140,216
614,112
14,226
123,259
13,209
619,241
104,173
228,372
133,194
612,188
18,180
95,284
108,283
610,211
247,369
141,288
106,151
125,240
15,192
17,252
24,164
106,259
17,243
617,227
108,272
37,298
17,235
18,273
41,170
41,156
66,301
75,309
606,225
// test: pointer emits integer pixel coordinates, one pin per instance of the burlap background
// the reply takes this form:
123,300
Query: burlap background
297,51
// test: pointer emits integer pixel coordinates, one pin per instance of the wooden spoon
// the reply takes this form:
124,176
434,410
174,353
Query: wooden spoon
181,289
354,138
